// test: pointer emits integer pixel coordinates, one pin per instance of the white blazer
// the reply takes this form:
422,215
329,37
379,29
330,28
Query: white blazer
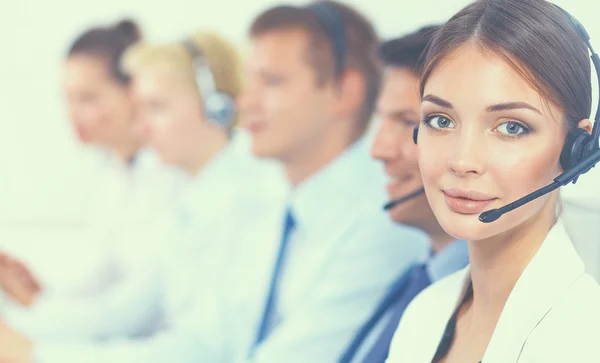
551,315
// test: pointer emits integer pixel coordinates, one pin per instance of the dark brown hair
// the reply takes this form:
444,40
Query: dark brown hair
109,44
360,51
409,50
535,38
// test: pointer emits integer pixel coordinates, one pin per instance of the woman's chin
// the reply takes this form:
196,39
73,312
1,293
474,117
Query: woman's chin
466,227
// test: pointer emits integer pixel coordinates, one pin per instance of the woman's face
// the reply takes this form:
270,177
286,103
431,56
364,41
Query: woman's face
170,111
487,139
100,109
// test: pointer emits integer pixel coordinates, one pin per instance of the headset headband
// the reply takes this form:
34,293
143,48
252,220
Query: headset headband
331,21
219,107
204,76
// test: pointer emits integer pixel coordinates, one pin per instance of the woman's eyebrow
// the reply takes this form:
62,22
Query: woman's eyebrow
511,106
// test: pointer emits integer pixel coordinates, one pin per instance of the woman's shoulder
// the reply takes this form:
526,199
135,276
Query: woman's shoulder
425,319
579,305
570,330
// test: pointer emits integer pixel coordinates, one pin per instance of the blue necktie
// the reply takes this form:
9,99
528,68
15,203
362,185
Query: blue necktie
399,296
265,324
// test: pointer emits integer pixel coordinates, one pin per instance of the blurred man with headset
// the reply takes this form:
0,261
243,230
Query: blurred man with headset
399,107
329,252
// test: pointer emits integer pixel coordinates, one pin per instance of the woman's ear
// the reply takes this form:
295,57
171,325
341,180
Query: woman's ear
585,124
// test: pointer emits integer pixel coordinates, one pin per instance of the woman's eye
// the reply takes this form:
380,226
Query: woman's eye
512,128
439,122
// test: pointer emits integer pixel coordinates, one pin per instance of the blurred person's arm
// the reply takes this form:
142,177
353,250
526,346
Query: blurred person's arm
124,309
128,306
195,329
180,345
16,281
196,335
14,347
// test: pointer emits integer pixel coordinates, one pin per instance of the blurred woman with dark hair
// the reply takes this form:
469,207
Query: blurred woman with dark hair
103,285
97,91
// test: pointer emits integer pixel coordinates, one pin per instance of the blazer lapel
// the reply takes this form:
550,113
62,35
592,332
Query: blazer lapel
541,284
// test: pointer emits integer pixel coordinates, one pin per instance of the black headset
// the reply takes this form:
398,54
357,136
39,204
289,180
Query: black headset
219,107
580,152
580,144
331,20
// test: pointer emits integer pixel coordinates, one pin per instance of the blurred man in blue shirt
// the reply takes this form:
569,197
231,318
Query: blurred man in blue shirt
399,107
313,81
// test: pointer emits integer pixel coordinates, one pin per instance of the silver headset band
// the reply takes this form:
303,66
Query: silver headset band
204,77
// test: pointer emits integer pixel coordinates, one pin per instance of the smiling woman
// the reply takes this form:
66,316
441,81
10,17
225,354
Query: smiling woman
505,83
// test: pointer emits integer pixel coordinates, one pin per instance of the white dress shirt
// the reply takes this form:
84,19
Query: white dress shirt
551,315
233,184
98,284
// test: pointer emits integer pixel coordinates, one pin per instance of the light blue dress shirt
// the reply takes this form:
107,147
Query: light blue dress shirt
450,259
343,254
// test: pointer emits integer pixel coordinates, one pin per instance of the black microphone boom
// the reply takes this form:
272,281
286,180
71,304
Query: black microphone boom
404,199
563,179
492,215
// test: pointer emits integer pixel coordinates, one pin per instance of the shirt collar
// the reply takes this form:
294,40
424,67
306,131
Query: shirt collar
450,259
335,187
212,179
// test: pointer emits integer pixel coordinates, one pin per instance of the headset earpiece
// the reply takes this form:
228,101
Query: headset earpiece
220,109
333,24
580,144
576,148
415,134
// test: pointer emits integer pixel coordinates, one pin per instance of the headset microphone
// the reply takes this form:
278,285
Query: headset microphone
561,180
404,199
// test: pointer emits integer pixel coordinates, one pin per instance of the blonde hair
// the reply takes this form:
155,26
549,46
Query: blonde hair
221,56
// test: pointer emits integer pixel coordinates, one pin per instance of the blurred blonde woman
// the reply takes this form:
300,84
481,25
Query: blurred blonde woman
186,93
